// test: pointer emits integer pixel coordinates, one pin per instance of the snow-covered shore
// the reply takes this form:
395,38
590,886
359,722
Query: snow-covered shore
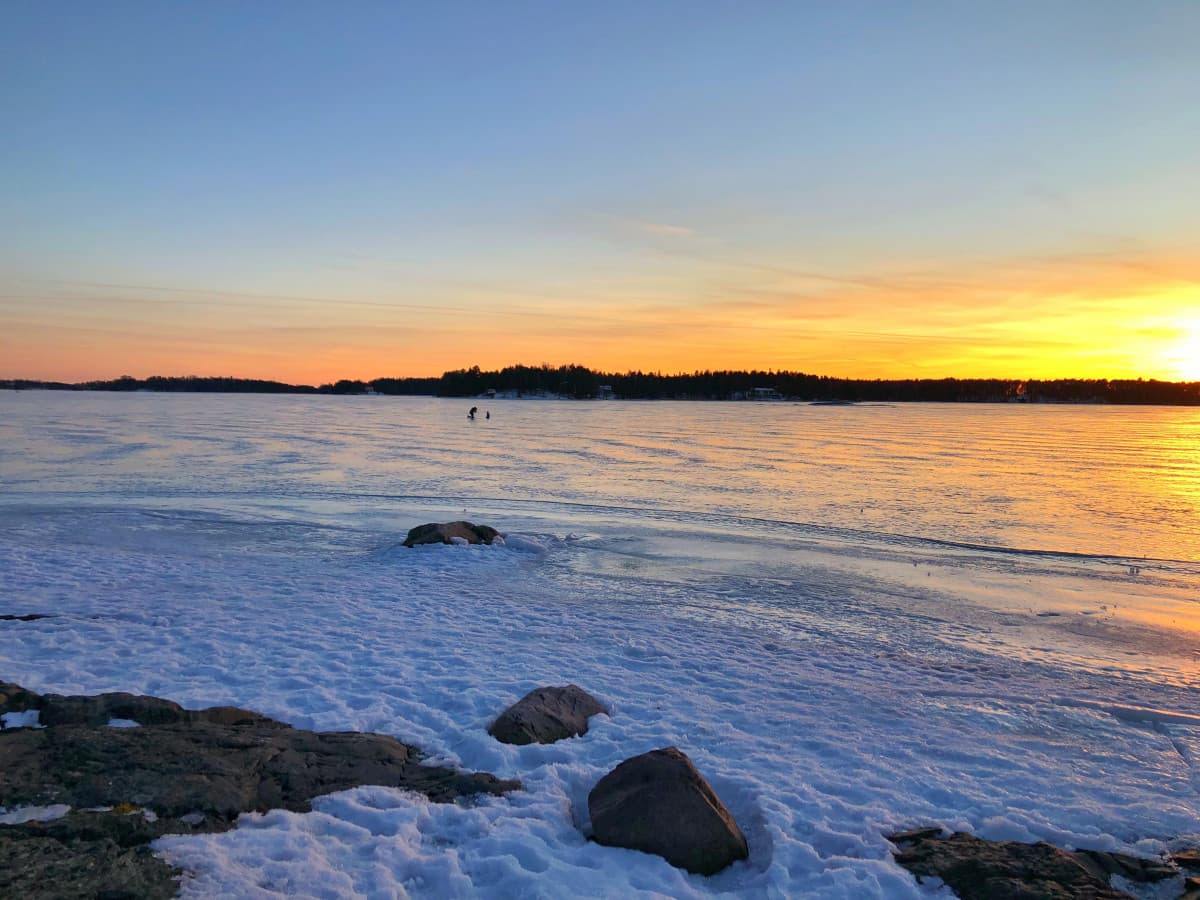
829,698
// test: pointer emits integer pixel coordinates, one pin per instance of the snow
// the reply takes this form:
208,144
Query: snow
823,718
33,814
833,684
123,723
29,718
1167,889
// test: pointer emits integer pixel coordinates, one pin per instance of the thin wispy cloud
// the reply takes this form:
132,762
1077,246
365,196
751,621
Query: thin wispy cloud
974,318
665,230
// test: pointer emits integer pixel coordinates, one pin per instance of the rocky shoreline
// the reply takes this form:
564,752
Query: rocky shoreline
87,783
977,869
130,769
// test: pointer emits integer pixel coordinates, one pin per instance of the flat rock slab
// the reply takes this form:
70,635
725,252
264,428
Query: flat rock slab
220,761
546,715
450,533
1007,870
659,803
191,769
85,854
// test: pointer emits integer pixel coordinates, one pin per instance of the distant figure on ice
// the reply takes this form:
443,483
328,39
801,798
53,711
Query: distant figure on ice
488,414
471,414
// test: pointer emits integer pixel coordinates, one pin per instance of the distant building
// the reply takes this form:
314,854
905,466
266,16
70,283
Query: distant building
764,393
605,392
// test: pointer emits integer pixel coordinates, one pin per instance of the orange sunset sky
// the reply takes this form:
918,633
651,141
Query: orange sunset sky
300,193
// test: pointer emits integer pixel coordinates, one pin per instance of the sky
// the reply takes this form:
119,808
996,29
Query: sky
314,191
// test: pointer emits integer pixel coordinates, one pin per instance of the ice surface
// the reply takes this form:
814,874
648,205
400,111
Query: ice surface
123,723
833,683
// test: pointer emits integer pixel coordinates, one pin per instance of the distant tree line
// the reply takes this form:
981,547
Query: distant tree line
581,383
172,384
228,385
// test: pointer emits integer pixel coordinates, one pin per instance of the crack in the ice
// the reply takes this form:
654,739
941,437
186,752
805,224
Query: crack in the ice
1184,754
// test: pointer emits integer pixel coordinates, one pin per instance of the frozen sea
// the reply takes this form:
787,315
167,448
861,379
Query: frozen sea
854,619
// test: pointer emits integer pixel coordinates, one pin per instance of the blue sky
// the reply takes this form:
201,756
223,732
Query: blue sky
585,181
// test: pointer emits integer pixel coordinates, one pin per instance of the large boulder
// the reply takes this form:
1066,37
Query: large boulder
978,869
450,533
658,803
546,715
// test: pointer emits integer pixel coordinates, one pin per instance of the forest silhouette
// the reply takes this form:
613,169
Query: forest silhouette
581,383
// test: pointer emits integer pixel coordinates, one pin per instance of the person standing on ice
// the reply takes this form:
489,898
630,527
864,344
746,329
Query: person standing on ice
471,414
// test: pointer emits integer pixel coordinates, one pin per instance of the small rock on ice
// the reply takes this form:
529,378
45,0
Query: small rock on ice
450,533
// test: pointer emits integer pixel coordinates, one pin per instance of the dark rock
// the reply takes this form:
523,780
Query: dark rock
915,834
1007,870
221,761
14,698
658,803
28,617
1106,864
445,532
546,715
86,854
1189,859
195,770
95,711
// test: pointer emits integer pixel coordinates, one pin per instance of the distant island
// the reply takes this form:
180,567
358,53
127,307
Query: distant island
581,383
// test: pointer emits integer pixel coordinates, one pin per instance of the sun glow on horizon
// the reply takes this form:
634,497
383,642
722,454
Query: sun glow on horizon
1128,316
1182,357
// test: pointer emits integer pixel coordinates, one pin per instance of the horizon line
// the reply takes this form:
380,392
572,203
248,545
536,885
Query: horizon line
628,372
